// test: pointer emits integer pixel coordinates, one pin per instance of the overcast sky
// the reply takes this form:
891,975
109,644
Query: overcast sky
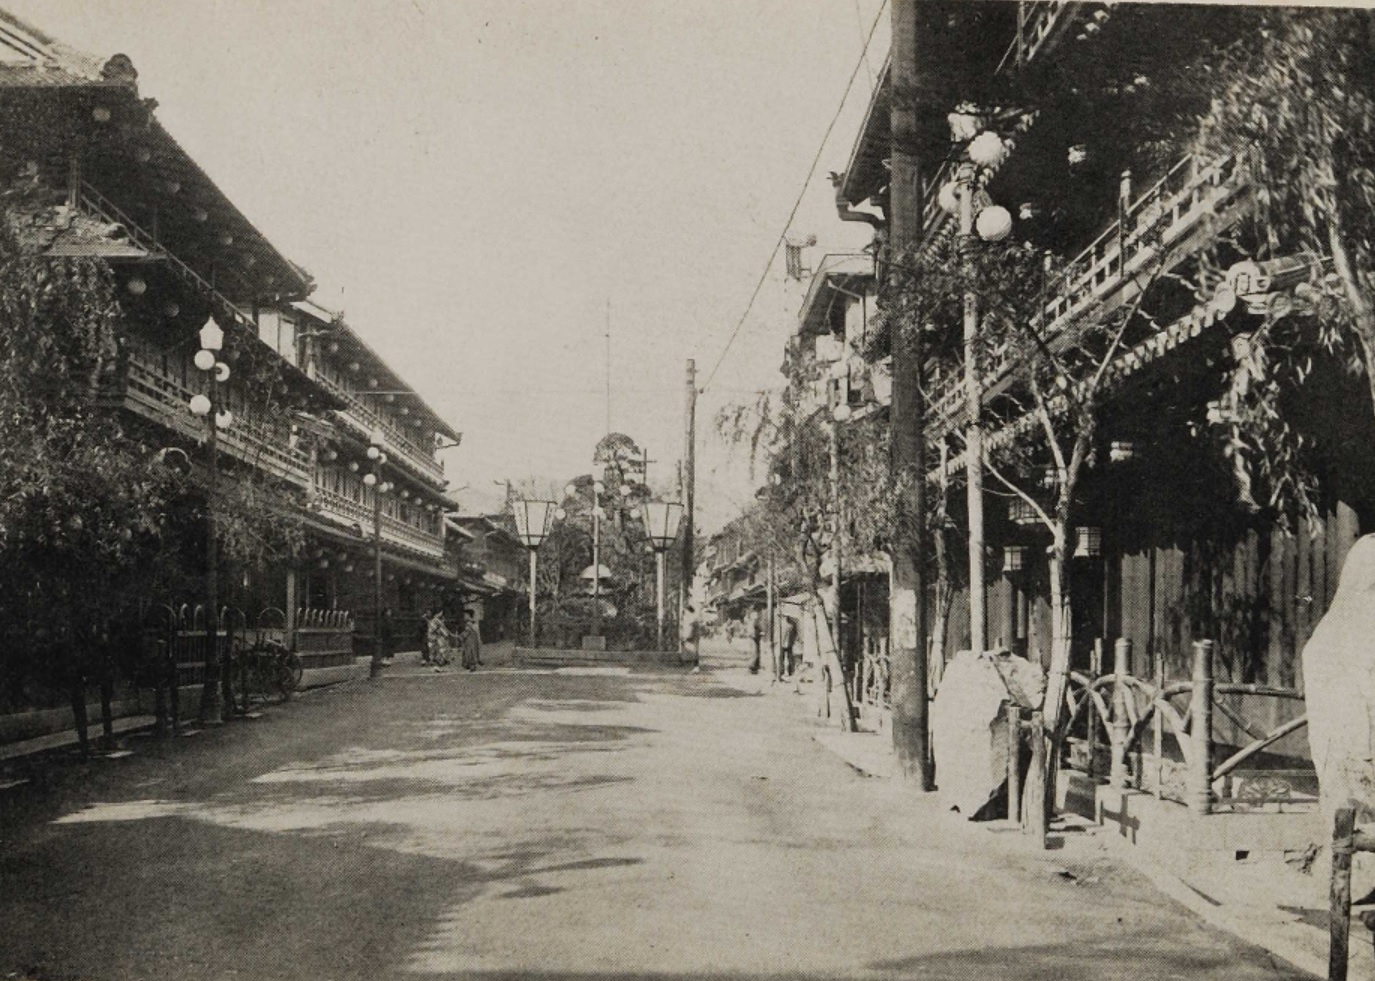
473,180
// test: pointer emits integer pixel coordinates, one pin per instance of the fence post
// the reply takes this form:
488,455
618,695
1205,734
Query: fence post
1201,730
1035,823
1119,726
1339,911
1095,670
1158,727
1014,763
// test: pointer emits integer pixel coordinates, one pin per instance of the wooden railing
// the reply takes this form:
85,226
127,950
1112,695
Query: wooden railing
394,530
166,401
1122,707
1104,274
368,420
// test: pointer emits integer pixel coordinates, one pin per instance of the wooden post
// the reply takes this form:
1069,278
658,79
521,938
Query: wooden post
1339,910
907,445
1035,823
1119,726
1014,763
1201,730
973,434
1095,671
1158,729
689,485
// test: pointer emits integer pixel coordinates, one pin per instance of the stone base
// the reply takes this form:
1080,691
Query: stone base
319,677
1174,835
553,657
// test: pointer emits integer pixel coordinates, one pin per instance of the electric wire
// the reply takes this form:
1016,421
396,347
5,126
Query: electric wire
811,172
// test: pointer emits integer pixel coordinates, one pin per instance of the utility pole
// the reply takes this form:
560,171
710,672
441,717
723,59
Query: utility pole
689,476
907,450
973,433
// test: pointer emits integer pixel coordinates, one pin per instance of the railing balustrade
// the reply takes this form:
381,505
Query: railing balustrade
393,529
369,420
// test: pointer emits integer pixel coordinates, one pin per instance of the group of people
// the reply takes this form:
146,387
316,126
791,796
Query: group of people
438,641
787,641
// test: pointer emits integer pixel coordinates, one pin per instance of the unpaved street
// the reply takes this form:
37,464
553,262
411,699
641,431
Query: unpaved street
562,825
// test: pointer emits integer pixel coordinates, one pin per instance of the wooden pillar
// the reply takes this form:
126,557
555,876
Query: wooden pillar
1014,763
1201,730
1119,725
1339,911
1035,823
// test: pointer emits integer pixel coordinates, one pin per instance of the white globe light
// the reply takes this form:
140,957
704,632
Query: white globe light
221,371
224,419
200,404
987,150
841,413
569,490
598,487
137,286
948,197
369,479
373,453
560,513
626,490
994,223
204,360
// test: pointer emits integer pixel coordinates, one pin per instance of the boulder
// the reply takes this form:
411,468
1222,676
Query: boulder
968,724
1339,687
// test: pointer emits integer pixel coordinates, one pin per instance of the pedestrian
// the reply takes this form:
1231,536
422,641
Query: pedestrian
437,639
757,632
471,642
386,637
689,632
786,664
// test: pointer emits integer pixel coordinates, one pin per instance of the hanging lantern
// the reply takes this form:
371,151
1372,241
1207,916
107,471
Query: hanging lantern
1121,450
1022,513
171,310
1014,558
137,286
204,360
987,149
1088,543
225,419
100,114
353,466
369,479
964,126
221,371
200,404
993,224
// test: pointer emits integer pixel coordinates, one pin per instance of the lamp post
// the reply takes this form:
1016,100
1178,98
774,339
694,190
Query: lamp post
379,487
532,526
661,525
205,405
598,488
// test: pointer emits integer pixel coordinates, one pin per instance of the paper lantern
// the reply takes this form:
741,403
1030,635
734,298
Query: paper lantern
204,360
993,224
987,150
200,404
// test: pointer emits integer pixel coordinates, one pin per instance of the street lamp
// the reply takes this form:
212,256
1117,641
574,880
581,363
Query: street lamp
532,526
205,405
379,487
661,525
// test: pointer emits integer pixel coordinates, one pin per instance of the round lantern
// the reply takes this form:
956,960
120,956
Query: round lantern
987,150
200,404
224,419
993,224
204,360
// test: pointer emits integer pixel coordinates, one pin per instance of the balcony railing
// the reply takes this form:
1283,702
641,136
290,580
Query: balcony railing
1155,227
368,420
156,396
394,530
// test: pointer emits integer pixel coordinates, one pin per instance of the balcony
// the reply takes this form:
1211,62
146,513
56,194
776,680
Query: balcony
399,445
1184,210
394,531
164,400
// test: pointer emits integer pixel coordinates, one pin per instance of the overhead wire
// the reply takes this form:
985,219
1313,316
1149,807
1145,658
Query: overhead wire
811,172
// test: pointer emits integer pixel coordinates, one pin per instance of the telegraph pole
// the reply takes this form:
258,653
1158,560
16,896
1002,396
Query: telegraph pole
689,478
907,451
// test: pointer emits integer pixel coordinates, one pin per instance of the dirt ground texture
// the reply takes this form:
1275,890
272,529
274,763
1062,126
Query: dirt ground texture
570,824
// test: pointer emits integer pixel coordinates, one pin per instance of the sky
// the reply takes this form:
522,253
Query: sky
485,187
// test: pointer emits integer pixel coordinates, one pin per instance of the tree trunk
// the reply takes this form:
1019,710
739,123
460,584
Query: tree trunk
1061,629
76,691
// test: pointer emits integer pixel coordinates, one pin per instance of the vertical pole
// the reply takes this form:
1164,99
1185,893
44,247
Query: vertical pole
534,569
1339,895
1091,709
771,603
1035,823
689,479
1158,730
660,560
596,560
973,455
1119,725
1201,730
1014,763
907,450
375,665
837,550
212,697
